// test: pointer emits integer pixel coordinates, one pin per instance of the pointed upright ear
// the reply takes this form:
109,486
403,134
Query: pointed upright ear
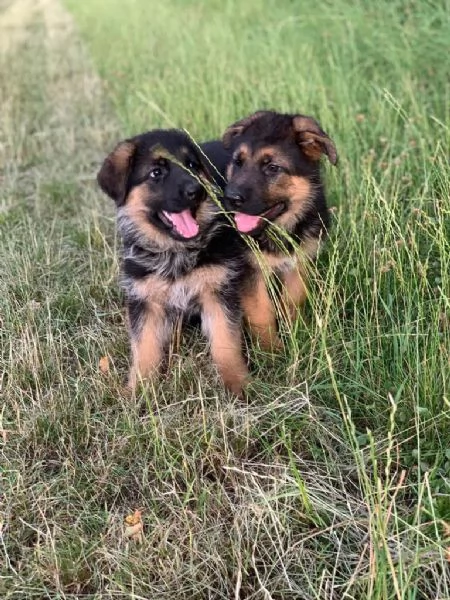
239,127
313,140
114,172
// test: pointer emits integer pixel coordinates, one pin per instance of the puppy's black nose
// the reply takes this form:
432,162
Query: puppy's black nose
193,191
234,199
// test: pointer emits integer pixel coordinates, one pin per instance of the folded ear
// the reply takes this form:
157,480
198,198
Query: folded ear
113,174
239,127
313,140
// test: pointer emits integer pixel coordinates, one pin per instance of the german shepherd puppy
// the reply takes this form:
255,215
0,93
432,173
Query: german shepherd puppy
180,258
274,186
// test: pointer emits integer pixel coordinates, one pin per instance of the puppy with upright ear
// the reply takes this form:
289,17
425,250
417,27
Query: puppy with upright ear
275,193
115,170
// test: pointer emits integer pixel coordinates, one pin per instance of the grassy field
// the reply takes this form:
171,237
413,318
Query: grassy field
333,480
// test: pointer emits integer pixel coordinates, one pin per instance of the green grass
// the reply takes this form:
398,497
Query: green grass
332,480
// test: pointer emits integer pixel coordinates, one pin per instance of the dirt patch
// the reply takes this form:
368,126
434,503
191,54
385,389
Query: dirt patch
14,22
55,123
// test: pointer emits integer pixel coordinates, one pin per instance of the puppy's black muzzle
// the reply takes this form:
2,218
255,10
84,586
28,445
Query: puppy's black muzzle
233,199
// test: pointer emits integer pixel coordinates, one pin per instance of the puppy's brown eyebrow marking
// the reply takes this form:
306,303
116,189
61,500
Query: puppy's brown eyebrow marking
159,153
242,152
159,158
271,154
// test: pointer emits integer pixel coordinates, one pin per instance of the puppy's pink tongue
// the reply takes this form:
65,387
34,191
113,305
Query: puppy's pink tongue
246,223
184,223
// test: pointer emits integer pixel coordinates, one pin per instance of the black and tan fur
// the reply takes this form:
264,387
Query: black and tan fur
179,256
273,171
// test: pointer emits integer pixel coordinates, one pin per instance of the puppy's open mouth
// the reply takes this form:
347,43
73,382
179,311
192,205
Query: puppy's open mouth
251,223
182,223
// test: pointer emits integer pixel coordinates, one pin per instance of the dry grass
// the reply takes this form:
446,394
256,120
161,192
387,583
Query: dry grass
331,482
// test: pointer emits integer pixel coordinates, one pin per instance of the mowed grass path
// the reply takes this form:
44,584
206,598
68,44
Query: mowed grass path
332,481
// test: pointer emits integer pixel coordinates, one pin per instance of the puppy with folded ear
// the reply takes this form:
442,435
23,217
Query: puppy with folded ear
180,259
275,193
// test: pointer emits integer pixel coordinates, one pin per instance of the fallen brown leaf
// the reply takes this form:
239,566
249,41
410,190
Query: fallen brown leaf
134,529
103,364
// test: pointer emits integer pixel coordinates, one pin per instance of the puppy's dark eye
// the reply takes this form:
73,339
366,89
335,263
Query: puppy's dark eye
272,169
155,173
237,161
191,165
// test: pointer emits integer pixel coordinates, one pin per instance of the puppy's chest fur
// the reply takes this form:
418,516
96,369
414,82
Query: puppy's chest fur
139,263
178,281
279,262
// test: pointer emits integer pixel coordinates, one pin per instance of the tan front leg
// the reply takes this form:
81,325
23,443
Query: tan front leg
260,315
225,338
293,294
148,335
